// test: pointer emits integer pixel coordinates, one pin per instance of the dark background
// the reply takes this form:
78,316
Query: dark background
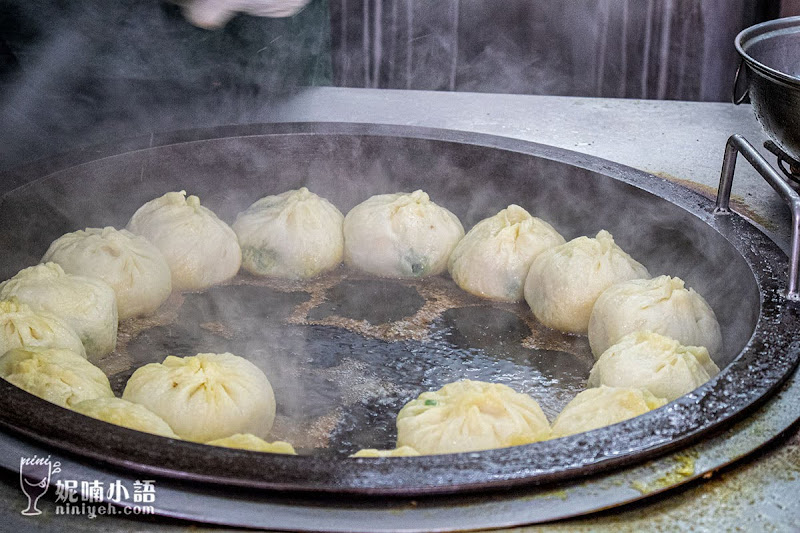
83,72
79,72
665,49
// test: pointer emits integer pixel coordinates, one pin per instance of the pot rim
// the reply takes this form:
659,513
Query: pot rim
763,31
769,357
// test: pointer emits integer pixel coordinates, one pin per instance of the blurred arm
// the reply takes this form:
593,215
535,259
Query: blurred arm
211,14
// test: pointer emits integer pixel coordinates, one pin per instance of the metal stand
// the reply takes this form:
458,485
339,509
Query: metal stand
739,145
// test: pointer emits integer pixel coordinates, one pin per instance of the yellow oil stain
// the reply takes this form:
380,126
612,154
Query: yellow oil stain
399,511
738,203
558,494
682,470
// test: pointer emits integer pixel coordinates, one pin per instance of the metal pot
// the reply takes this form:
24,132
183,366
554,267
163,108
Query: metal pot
669,228
771,53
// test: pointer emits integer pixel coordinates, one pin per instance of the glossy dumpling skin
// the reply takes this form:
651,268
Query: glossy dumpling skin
248,441
603,406
494,257
130,264
469,416
661,305
564,282
60,376
403,451
294,235
201,250
403,235
207,396
650,361
126,414
22,327
87,304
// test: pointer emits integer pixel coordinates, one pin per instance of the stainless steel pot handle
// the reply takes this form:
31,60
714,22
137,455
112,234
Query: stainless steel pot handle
739,145
739,99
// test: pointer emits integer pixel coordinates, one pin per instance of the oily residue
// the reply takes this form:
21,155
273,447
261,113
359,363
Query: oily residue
344,352
681,469
758,494
738,203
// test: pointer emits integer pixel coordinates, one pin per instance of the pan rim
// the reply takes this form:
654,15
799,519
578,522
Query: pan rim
19,410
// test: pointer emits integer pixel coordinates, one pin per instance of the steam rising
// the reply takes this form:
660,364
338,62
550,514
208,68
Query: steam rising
68,86
315,369
91,71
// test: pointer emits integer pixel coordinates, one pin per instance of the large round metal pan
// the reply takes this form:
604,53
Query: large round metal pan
670,229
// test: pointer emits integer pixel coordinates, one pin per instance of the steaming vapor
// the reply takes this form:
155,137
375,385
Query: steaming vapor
333,385
101,74
229,174
86,72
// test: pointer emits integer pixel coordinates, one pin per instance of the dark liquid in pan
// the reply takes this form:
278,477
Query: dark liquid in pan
345,352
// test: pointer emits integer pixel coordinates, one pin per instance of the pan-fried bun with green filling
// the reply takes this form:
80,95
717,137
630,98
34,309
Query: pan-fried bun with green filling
603,406
662,305
248,441
207,396
87,304
201,250
126,414
402,451
650,361
467,416
294,235
564,282
22,327
60,376
494,257
403,235
130,264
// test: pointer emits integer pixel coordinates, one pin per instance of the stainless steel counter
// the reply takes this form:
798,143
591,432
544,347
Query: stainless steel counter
676,140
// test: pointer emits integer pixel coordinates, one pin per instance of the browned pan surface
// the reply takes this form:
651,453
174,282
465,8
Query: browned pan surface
346,351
